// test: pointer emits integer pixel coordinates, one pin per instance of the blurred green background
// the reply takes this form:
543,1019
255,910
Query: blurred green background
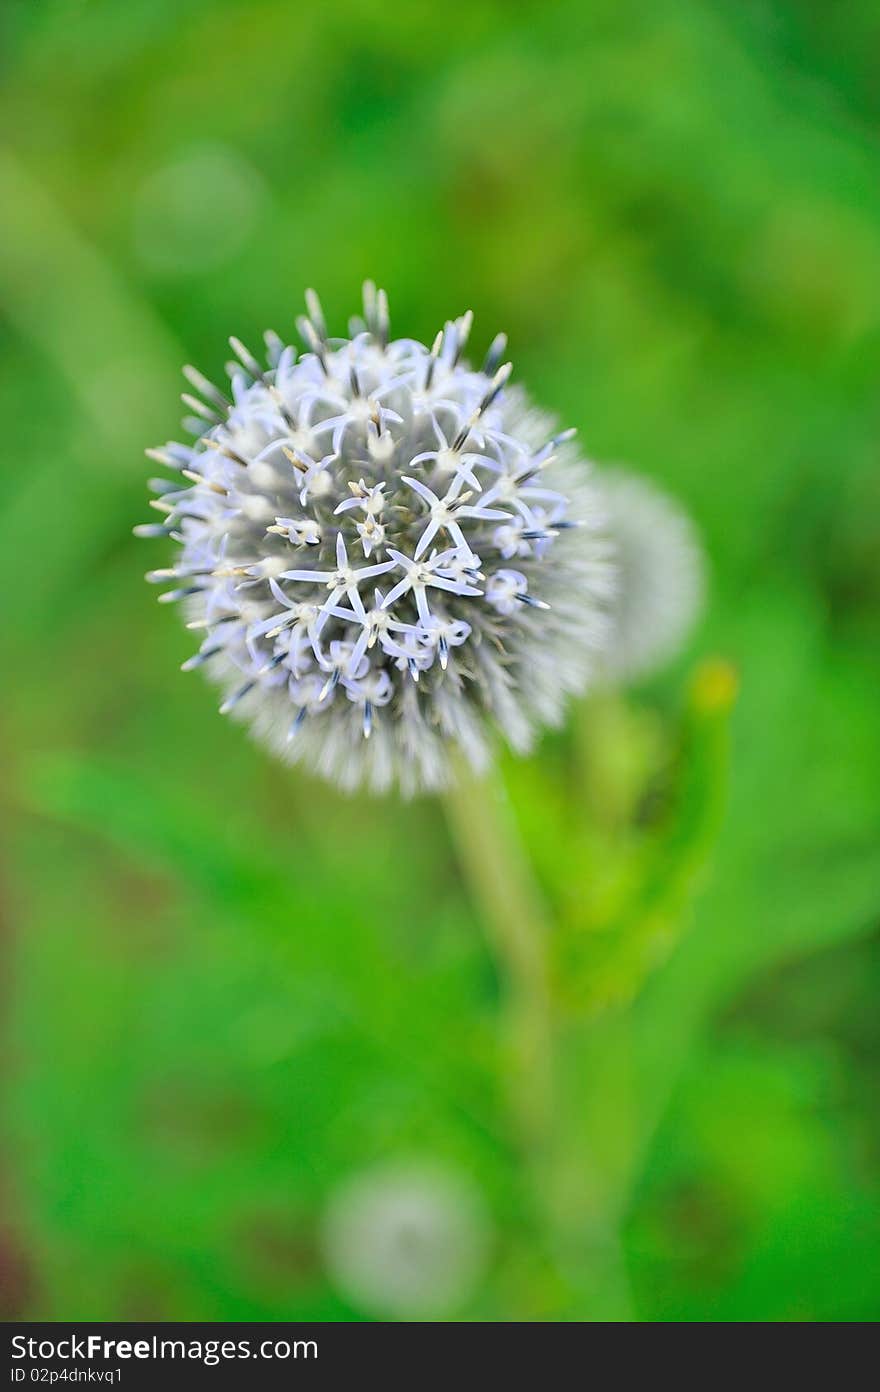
228,989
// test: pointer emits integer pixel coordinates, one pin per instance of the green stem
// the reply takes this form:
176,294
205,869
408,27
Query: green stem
496,868
497,871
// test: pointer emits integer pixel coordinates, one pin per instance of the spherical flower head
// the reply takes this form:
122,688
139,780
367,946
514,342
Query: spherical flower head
661,576
406,1241
387,553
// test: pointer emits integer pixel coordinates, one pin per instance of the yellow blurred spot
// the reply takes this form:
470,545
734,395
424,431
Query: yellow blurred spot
715,685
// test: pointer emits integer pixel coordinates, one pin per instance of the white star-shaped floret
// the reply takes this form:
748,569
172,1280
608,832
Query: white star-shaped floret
344,580
420,575
451,460
359,411
376,623
443,634
445,512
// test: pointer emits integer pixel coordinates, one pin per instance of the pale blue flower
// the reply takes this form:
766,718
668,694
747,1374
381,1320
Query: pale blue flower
368,460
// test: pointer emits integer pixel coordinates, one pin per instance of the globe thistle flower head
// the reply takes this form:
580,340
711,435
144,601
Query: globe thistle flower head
406,1241
385,552
660,576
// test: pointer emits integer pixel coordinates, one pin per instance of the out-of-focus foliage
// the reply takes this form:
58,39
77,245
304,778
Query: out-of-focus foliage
233,989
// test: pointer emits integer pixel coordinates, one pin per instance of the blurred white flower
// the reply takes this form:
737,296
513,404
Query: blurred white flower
406,1241
346,519
660,579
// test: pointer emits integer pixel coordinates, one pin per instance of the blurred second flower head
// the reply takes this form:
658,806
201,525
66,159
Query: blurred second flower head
407,1241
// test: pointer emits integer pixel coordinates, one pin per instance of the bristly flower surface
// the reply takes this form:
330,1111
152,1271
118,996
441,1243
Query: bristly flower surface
385,552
